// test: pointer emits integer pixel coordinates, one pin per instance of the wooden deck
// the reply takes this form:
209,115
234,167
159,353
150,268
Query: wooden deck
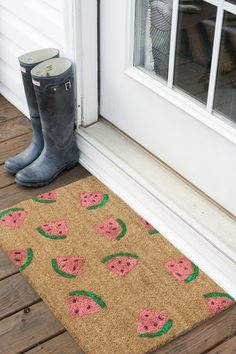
26,323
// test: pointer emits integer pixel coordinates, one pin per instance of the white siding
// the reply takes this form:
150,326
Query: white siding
27,25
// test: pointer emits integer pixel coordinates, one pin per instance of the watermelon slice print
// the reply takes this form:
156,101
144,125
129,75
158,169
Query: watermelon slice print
152,323
47,198
83,303
151,230
68,266
182,269
13,217
93,200
121,263
55,230
113,229
21,257
218,302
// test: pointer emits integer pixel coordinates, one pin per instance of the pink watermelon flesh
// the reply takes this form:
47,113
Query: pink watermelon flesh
218,304
82,305
18,256
151,321
70,264
121,265
57,228
148,226
110,228
52,195
14,218
180,268
89,199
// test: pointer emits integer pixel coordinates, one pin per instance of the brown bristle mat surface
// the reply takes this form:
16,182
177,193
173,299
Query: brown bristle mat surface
115,283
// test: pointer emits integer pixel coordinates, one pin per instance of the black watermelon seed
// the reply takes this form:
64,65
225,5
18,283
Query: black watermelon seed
172,265
146,315
74,301
88,307
179,275
160,317
119,262
212,302
122,270
14,221
128,263
17,260
77,311
180,261
224,301
112,266
146,327
155,324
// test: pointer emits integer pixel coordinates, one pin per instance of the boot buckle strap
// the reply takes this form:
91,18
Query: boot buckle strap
67,85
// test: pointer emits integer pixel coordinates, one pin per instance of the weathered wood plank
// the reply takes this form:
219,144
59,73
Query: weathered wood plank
6,266
8,112
5,178
61,344
25,329
205,336
14,146
14,194
15,294
228,347
3,100
14,127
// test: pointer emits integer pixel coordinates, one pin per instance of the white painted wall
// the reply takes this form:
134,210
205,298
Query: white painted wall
27,25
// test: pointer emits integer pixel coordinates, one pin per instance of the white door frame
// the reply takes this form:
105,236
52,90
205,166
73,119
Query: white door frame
81,41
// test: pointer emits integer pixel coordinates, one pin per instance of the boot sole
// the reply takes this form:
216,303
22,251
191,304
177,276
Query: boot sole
41,184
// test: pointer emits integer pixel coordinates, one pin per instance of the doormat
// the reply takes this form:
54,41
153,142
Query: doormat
115,283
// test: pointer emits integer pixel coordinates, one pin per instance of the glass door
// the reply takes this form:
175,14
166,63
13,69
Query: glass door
168,81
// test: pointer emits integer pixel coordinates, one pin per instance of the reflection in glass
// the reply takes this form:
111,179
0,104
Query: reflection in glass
225,96
152,35
195,37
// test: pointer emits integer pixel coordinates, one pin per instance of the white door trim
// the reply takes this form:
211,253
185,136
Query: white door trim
81,40
197,242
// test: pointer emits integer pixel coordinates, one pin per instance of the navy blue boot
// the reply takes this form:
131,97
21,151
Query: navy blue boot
54,87
27,62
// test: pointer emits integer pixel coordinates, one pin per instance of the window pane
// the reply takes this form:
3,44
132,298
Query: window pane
195,35
225,96
152,35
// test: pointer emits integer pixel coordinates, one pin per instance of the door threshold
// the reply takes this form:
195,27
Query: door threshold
190,221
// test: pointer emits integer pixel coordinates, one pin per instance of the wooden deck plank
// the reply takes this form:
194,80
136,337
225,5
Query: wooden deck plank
15,294
24,330
6,179
11,147
204,337
9,112
3,100
14,194
62,344
228,347
14,127
7,268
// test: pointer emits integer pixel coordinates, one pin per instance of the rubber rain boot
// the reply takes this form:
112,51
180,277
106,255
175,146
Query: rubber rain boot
27,62
54,87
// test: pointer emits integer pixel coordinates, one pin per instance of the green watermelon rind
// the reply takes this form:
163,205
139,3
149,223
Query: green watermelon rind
6,212
194,275
93,296
217,294
44,201
119,254
29,259
103,202
164,330
53,237
123,230
59,271
153,232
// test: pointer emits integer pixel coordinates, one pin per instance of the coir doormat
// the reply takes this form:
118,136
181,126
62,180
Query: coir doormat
115,282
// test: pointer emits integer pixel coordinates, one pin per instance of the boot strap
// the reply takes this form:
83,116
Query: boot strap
53,88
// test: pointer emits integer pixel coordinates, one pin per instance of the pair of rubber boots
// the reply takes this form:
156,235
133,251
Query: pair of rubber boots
49,88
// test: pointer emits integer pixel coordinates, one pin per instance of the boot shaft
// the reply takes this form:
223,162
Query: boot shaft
27,62
54,88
